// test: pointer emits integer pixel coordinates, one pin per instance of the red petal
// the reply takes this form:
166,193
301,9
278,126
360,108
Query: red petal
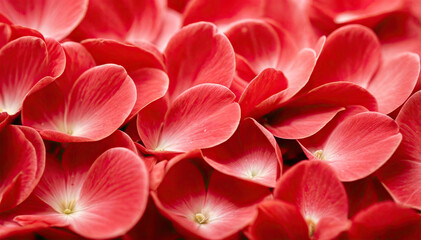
361,144
24,64
198,54
401,175
212,106
151,84
77,158
126,20
296,123
99,102
278,220
150,121
344,58
221,12
409,121
269,86
365,192
395,81
314,188
115,194
257,42
78,60
5,34
257,159
386,221
55,19
22,164
129,56
358,145
179,204
231,204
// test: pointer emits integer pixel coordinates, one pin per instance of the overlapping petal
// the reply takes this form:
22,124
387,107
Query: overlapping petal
99,101
55,19
203,116
357,146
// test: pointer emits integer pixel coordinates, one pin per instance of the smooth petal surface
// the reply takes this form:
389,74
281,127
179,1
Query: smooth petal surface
78,60
268,85
151,84
313,187
55,19
358,146
115,194
23,64
305,115
201,117
257,42
401,175
251,154
278,220
150,122
5,34
231,204
344,58
227,206
221,12
198,54
131,57
125,20
23,162
77,158
292,123
99,102
386,221
395,81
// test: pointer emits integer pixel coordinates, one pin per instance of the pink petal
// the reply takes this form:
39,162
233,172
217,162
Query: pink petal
130,56
409,124
299,70
231,204
257,42
395,81
268,85
251,154
296,123
23,159
77,158
126,20
365,192
99,102
314,188
24,64
198,54
344,58
386,220
402,179
115,194
360,144
151,84
150,121
212,106
78,60
55,19
318,140
309,113
221,12
5,34
278,220
401,175
171,23
181,204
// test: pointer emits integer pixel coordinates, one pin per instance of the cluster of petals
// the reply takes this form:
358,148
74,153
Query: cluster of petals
210,119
